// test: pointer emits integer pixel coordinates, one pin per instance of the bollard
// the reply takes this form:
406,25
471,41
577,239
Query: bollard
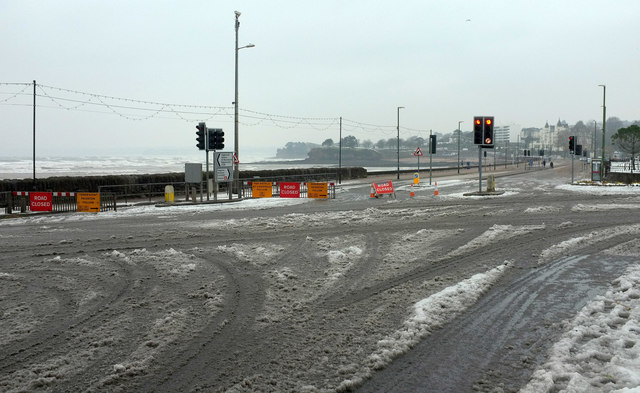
491,183
169,194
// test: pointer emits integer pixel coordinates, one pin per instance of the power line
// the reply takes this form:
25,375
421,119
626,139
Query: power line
80,101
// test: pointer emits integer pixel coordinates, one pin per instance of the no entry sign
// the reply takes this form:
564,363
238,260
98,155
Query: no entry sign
41,201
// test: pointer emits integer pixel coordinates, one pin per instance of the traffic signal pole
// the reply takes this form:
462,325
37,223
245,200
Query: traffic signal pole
479,168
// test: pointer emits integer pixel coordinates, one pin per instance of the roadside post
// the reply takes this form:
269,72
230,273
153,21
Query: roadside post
418,153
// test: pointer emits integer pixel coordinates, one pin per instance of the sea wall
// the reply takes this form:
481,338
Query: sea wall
93,183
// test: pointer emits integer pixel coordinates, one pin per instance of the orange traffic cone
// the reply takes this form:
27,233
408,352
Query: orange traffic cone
412,194
435,192
373,192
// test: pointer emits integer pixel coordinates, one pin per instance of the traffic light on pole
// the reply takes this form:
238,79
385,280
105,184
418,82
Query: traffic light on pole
211,139
487,140
433,144
572,143
477,130
200,136
219,140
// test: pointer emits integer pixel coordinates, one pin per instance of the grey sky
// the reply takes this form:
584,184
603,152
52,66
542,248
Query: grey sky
524,62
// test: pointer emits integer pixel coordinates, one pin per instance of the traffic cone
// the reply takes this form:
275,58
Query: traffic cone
412,194
435,192
373,192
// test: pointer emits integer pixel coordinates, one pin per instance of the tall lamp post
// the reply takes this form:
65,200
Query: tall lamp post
459,145
236,170
398,129
604,125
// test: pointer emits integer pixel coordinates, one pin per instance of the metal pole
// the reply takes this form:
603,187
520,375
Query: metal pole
340,155
595,124
34,135
430,151
479,168
572,156
236,171
459,145
604,126
398,140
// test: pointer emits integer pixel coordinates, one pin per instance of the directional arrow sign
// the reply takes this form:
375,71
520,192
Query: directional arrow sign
224,159
224,174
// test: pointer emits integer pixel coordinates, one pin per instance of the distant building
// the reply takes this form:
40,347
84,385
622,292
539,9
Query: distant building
501,135
545,138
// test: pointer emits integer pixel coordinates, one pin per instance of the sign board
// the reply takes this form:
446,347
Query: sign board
41,201
88,202
235,159
416,178
224,174
418,152
317,190
289,190
262,189
384,188
224,159
192,173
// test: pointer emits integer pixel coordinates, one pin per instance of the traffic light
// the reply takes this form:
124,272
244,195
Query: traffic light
433,143
216,139
477,130
200,135
487,140
578,150
572,143
211,139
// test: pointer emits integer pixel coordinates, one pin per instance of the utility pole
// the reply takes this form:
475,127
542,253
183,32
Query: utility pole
604,126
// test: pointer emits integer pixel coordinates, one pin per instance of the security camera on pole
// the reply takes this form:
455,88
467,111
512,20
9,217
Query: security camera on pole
483,137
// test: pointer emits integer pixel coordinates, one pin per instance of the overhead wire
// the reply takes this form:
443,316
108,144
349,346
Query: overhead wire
153,109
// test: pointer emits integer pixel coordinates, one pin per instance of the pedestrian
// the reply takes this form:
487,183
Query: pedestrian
551,164
544,163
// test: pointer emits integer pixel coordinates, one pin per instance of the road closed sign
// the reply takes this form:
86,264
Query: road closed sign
41,201
88,202
289,190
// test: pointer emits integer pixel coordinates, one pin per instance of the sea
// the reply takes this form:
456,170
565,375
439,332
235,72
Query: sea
22,167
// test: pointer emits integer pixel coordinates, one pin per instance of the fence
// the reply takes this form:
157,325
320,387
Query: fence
247,189
19,201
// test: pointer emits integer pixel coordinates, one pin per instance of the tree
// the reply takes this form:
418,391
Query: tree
327,143
381,144
367,144
628,140
349,141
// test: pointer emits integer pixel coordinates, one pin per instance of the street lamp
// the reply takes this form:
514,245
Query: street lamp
398,128
236,171
604,126
459,145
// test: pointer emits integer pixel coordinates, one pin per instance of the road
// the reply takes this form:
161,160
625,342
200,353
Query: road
299,296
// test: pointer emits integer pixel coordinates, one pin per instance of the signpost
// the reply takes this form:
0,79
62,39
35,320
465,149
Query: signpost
418,153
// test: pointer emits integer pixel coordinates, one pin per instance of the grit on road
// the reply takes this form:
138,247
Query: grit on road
432,293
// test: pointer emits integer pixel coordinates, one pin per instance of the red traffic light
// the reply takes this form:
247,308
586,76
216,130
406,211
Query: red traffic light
478,121
488,122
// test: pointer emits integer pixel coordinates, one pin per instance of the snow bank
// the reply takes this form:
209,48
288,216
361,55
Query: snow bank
600,351
569,246
428,314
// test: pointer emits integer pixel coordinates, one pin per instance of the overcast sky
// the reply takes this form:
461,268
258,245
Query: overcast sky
524,62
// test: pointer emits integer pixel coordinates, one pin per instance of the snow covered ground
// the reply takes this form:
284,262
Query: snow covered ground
339,294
